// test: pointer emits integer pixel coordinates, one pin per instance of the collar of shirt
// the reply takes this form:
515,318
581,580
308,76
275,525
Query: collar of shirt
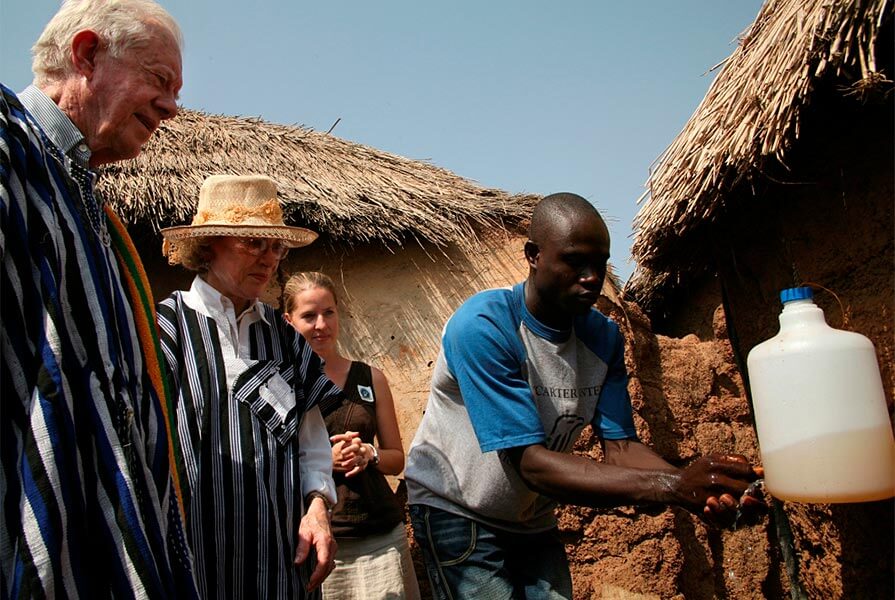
56,124
206,300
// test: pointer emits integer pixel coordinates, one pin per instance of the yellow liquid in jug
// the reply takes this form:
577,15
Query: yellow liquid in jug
854,466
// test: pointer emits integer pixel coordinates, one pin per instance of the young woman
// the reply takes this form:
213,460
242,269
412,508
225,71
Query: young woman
373,560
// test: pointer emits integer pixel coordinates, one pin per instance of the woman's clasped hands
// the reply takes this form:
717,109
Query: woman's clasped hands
350,454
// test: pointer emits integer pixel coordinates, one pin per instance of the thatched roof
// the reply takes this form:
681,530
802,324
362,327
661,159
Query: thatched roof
346,191
749,119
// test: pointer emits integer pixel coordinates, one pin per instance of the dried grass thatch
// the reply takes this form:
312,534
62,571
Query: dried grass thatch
749,118
346,191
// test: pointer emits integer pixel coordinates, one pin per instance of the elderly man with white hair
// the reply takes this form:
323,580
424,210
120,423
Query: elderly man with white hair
90,507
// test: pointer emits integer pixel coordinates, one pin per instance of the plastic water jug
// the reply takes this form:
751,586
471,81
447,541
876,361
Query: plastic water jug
820,412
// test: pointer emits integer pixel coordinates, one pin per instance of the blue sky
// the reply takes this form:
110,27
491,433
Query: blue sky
525,96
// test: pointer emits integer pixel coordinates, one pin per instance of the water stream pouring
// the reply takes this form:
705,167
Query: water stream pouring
820,412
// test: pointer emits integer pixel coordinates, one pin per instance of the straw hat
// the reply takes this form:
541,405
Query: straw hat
239,206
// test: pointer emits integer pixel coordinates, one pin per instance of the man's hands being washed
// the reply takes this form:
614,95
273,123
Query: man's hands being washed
722,489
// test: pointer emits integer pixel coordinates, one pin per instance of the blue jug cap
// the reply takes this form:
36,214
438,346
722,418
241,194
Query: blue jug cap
798,293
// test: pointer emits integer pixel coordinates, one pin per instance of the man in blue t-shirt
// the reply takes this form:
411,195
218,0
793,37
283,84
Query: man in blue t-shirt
520,373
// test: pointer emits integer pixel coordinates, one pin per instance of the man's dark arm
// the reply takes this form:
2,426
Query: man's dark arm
633,474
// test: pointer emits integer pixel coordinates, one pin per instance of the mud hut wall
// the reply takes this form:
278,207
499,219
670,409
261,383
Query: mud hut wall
835,229
828,219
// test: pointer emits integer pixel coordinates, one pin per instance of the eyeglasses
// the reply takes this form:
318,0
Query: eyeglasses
260,246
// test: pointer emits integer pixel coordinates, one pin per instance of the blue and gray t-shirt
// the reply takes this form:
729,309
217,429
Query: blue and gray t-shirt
503,380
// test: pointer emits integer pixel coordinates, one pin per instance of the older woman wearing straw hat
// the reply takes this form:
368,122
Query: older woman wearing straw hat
255,455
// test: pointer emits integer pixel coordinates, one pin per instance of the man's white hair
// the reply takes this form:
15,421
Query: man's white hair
120,25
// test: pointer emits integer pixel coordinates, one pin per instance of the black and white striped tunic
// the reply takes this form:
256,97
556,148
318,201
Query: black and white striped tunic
86,503
244,458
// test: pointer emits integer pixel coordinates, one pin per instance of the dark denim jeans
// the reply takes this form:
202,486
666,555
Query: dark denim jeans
466,559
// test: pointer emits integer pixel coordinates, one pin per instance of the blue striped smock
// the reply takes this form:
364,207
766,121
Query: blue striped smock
85,488
242,479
